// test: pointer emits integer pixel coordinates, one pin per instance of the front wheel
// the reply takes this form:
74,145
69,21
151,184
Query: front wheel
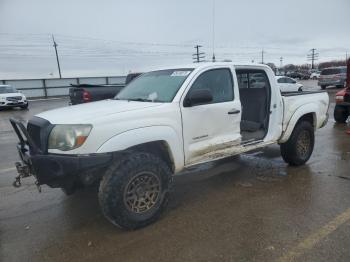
340,114
134,192
298,149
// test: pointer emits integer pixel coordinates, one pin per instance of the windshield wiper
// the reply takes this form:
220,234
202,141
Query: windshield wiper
140,99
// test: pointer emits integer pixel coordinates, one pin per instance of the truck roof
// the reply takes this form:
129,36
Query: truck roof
210,64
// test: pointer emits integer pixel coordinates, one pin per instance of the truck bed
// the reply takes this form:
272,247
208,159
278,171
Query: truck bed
92,92
302,93
314,101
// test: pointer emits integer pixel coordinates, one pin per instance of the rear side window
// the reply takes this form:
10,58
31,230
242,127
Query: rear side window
252,79
219,82
281,80
290,81
331,71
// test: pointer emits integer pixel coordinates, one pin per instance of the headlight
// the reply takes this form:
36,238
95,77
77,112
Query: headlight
68,137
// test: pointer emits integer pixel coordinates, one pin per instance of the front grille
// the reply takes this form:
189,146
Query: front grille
13,98
39,129
35,133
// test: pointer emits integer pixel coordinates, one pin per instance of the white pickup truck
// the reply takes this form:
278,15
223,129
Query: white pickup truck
161,123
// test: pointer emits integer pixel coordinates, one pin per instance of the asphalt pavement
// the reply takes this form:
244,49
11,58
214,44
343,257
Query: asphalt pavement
248,208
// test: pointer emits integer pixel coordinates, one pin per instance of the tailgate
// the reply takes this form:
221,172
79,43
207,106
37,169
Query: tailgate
76,95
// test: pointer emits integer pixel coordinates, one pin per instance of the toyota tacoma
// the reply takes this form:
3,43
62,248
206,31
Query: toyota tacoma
160,124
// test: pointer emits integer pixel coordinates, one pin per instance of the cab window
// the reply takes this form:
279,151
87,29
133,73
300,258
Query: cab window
219,82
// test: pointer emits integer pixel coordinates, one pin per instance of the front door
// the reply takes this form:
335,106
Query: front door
209,129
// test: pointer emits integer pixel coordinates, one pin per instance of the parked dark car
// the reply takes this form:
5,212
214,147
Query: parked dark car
342,100
85,93
332,76
298,75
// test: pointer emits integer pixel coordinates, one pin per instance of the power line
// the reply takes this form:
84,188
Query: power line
58,61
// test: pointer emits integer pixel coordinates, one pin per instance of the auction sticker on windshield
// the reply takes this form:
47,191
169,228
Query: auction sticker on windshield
180,73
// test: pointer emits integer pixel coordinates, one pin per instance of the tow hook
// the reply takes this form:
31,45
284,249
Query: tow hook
17,182
23,171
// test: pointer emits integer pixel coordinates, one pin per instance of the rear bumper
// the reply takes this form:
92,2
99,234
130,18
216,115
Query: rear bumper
58,170
324,123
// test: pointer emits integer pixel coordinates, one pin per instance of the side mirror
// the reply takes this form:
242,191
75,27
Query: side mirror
198,97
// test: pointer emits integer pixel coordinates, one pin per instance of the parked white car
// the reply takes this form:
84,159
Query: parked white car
10,97
161,123
315,75
287,84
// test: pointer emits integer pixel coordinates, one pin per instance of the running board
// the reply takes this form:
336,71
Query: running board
251,142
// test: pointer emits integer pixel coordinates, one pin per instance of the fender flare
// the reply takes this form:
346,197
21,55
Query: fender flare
144,135
298,114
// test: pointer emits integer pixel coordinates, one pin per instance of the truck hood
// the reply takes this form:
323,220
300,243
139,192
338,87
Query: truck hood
85,113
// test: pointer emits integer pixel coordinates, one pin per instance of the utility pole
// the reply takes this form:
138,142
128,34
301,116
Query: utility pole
281,61
262,56
58,61
213,24
313,57
198,56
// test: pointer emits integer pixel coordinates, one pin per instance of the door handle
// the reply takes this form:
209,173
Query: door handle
234,111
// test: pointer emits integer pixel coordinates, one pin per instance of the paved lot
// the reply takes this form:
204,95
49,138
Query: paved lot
250,208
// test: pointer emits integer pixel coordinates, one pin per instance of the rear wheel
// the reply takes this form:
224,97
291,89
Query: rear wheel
340,114
298,149
323,87
134,192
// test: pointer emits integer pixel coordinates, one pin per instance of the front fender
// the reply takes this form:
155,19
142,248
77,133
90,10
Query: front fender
300,112
143,135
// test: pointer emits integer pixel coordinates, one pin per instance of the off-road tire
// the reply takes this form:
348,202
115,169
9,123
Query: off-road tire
290,150
117,180
340,114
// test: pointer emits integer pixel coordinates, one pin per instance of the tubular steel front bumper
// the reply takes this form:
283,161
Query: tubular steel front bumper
55,170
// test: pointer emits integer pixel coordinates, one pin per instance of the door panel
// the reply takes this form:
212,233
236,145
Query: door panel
210,128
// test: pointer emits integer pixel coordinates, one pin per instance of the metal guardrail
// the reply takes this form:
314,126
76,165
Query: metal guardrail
51,87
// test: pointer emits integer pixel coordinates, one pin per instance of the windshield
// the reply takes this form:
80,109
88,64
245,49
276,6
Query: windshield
7,89
156,86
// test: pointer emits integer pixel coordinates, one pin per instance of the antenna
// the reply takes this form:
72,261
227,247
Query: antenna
213,33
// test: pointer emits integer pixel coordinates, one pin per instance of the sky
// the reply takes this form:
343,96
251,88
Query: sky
114,37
